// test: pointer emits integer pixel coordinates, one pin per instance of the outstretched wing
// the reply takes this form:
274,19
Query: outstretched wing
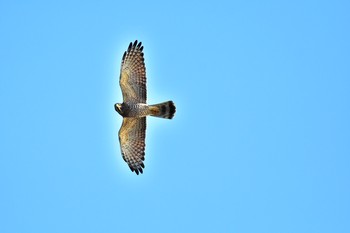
132,136
133,74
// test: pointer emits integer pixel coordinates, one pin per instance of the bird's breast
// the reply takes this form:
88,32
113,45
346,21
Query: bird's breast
135,110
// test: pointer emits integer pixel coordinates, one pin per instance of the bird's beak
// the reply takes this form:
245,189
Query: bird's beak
117,107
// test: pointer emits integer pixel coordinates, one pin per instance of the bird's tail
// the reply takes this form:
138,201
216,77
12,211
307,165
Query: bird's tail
163,110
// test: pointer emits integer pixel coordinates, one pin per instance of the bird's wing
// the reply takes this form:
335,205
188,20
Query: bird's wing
132,136
133,74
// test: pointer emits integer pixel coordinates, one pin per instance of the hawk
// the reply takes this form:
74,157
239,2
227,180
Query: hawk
134,108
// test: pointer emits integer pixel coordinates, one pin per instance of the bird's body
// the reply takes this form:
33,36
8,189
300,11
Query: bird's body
134,108
163,110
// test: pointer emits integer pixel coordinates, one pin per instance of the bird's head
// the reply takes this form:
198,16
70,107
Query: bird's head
118,108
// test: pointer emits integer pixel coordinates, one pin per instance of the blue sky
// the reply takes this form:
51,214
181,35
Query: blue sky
259,143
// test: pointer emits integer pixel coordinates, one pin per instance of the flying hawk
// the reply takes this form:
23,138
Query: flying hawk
134,108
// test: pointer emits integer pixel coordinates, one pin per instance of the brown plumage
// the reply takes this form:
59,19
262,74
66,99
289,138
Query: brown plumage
134,108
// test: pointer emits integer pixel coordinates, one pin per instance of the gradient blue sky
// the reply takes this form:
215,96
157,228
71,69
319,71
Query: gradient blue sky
260,141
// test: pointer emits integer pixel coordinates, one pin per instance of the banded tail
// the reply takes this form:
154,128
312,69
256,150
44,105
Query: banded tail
163,110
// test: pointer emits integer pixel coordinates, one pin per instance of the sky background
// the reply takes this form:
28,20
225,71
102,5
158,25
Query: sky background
260,141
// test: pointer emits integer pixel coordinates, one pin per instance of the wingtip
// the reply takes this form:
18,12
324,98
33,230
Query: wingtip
138,170
135,45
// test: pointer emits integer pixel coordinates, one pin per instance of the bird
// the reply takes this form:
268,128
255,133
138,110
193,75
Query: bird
134,109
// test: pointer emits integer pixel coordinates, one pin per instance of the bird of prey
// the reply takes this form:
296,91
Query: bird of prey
134,108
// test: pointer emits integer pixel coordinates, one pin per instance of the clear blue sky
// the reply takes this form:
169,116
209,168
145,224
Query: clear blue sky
260,141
